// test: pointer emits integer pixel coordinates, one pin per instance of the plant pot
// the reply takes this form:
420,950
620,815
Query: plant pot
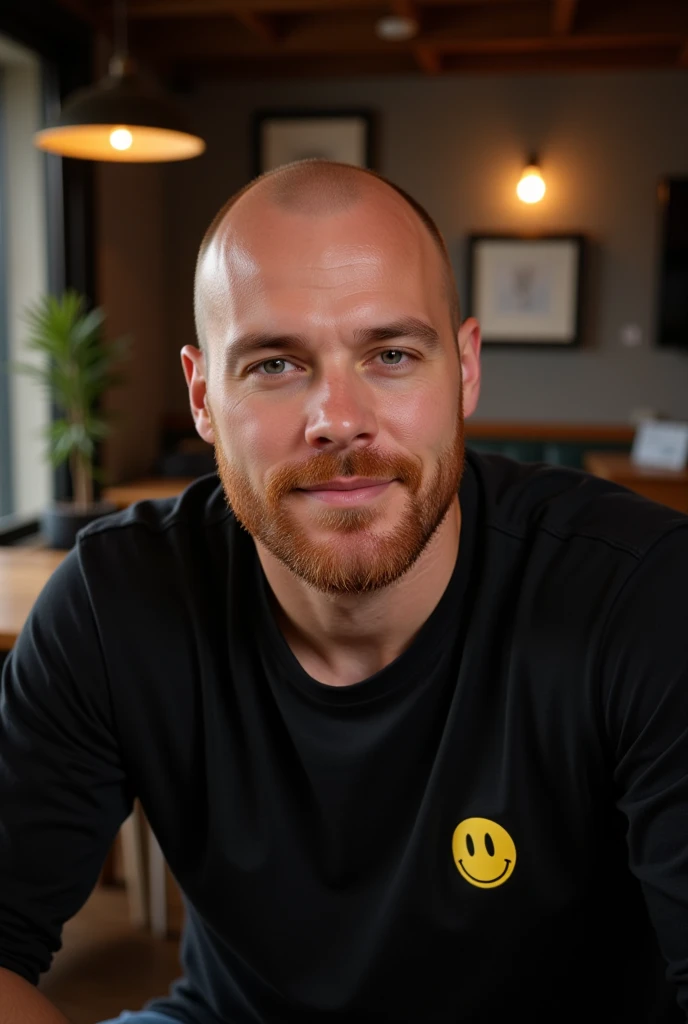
61,522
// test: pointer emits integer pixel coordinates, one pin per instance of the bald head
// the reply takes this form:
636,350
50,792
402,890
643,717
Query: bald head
316,189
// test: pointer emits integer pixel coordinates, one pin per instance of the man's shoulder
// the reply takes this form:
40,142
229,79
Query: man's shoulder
152,524
523,498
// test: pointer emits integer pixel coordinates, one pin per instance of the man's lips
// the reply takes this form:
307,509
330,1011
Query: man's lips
344,491
346,483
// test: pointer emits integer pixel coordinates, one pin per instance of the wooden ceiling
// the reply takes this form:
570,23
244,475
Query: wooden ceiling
302,38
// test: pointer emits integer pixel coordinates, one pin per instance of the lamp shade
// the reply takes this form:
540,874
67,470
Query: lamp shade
122,119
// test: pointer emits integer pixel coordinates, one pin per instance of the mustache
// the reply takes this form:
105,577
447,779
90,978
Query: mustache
366,462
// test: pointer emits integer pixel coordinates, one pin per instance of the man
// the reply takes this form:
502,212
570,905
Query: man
414,740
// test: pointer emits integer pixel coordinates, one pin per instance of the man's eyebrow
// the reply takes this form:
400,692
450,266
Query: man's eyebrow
259,341
404,327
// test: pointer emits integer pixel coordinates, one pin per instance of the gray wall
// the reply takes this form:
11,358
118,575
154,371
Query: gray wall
458,145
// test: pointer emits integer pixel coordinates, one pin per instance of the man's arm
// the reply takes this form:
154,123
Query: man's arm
644,703
62,785
20,1001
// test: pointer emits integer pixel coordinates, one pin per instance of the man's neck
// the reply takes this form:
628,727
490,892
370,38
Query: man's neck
342,639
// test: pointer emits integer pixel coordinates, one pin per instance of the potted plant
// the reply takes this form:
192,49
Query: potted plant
77,369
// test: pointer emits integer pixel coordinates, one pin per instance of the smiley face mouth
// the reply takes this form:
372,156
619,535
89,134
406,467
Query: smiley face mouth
486,881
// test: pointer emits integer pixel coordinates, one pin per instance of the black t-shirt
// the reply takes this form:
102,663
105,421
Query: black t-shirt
495,824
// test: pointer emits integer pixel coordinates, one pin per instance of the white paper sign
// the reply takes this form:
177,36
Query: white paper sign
660,445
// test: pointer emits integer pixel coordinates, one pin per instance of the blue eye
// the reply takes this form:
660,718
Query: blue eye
392,357
272,367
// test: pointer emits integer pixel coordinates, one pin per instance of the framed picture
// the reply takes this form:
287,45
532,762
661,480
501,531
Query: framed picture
526,290
283,136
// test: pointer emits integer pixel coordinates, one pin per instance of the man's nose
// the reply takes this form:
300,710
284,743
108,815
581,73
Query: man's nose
341,414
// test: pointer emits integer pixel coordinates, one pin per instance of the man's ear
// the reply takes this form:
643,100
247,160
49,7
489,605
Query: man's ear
469,342
193,363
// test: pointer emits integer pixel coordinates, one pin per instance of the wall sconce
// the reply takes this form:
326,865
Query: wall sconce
531,187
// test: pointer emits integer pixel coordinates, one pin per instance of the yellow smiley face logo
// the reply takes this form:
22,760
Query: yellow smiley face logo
484,852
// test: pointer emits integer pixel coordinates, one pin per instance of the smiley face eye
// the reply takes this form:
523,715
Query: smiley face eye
489,845
470,846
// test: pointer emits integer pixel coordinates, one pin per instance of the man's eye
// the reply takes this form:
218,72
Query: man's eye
392,357
273,367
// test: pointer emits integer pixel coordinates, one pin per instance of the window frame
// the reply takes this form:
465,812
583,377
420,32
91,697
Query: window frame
6,475
64,45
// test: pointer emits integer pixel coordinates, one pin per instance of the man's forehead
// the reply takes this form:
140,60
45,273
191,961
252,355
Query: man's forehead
265,255
274,243
377,209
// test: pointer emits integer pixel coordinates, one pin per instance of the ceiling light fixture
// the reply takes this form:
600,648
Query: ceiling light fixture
121,119
531,186
394,28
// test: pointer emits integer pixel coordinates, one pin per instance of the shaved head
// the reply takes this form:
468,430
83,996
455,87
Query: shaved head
309,188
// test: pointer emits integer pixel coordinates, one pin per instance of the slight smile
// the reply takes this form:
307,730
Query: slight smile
486,881
347,491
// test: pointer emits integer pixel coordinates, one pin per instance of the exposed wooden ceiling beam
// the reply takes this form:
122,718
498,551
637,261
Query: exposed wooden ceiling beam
317,66
149,9
563,17
428,60
171,41
564,44
326,66
572,60
85,12
408,10
404,9
259,24
638,16
204,8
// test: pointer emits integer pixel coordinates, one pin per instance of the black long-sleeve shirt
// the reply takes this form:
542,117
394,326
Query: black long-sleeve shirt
495,824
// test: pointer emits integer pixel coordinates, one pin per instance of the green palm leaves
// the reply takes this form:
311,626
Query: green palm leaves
76,369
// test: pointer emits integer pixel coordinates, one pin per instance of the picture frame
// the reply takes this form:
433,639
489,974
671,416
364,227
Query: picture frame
525,290
282,136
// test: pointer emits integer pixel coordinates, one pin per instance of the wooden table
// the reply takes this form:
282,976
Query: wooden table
667,486
123,495
23,574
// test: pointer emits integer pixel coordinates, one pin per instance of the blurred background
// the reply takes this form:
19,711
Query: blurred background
580,277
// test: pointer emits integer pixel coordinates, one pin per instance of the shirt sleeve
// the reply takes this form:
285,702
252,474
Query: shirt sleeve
645,707
62,788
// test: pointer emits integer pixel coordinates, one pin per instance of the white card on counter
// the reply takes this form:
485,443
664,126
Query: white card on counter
659,444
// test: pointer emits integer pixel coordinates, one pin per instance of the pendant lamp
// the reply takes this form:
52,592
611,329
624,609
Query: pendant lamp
121,119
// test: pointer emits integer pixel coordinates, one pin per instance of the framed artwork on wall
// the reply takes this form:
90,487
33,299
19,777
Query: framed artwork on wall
281,137
526,290
672,300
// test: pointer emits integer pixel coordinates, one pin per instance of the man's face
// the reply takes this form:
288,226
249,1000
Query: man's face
334,389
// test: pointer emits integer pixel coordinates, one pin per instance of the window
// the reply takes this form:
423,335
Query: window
25,478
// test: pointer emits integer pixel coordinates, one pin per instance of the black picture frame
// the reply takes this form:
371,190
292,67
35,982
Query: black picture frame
672,283
526,290
356,137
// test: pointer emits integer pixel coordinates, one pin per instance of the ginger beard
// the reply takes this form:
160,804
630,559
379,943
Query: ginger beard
355,559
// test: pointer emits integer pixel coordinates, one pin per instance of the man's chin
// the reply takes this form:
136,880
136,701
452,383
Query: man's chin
346,561
340,576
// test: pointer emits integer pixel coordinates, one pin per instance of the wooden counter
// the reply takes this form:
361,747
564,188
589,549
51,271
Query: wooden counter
123,495
667,486
23,574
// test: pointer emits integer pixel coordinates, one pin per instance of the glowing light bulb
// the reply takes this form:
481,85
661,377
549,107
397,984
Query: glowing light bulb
121,138
531,188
